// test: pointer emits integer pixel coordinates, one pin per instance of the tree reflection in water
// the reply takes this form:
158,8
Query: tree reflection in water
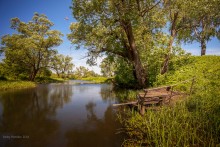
96,132
43,114
31,113
107,93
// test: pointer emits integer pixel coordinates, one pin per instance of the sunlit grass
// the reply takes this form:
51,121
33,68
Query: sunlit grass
95,79
49,80
4,85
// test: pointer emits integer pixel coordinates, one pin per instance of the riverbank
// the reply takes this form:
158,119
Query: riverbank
46,80
12,84
5,85
18,84
96,80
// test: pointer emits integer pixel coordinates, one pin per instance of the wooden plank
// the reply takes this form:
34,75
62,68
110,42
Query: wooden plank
154,96
121,104
151,102
157,88
152,99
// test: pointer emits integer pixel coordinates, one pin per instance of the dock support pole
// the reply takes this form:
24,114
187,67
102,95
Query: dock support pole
142,111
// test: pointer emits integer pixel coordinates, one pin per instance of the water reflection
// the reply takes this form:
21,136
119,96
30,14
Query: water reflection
31,113
107,93
66,114
96,132
90,114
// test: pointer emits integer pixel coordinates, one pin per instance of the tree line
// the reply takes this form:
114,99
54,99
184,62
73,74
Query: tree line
30,52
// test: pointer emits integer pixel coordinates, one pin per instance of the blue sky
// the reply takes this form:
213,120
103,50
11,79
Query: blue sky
56,11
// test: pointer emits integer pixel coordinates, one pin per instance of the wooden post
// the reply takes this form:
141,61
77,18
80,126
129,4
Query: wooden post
142,111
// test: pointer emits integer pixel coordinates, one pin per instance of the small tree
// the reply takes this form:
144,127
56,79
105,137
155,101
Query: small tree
205,23
62,64
83,72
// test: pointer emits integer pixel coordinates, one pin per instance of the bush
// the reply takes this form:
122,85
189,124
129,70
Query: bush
125,76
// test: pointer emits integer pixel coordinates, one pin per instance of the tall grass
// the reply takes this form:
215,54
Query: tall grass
126,95
195,121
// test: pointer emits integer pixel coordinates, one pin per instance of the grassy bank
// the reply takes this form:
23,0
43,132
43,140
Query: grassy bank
10,84
5,85
44,80
195,121
96,79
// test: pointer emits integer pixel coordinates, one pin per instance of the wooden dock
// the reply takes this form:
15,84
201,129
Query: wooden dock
155,97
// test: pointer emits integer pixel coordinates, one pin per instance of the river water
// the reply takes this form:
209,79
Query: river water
74,114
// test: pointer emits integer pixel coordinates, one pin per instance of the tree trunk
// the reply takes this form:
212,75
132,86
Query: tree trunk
167,57
173,33
203,47
139,70
58,73
33,75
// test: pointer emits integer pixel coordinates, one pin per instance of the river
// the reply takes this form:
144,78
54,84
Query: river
74,114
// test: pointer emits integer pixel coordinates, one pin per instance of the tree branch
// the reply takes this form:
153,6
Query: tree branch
197,34
149,9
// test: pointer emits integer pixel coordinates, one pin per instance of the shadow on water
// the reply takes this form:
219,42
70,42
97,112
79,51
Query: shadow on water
59,115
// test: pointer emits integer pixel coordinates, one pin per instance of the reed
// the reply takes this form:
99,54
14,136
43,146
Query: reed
193,122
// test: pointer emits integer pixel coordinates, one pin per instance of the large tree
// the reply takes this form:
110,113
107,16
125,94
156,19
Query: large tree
31,48
111,26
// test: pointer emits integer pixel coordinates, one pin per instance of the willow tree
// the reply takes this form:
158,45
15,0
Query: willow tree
111,26
31,47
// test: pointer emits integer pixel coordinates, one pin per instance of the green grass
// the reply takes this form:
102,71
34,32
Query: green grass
96,79
5,85
49,80
194,121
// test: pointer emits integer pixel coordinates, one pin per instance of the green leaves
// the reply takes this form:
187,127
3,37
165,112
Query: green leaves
203,22
31,48
61,64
